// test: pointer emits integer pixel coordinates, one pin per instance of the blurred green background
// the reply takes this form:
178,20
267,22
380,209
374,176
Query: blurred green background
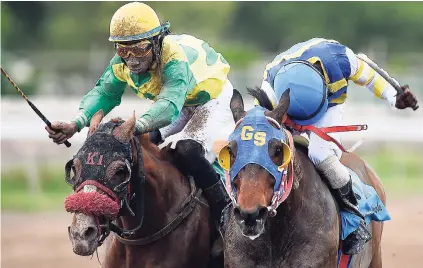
69,39
53,49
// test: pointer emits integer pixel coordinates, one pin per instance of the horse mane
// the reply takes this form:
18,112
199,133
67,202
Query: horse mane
261,96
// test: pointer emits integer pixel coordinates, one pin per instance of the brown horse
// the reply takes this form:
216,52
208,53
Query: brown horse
122,183
304,230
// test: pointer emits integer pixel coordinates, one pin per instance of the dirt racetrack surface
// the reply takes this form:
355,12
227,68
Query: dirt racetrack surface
41,240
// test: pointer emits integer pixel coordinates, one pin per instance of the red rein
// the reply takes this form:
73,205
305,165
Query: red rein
92,203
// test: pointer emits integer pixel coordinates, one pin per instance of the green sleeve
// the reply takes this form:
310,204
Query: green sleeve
177,82
106,95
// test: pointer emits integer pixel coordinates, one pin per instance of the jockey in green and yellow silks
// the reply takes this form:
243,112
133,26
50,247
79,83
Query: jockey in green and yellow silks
186,79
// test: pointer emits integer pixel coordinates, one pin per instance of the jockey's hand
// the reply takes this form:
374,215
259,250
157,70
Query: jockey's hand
407,99
61,131
155,137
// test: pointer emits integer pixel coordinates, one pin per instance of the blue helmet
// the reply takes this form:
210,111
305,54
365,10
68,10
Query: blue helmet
308,91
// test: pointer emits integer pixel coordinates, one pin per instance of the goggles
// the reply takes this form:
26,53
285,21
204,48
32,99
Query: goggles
140,49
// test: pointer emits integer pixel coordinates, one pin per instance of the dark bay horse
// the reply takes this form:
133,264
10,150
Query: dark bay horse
304,230
122,183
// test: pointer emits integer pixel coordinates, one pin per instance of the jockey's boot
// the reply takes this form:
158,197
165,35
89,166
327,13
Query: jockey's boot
340,180
220,205
355,241
190,159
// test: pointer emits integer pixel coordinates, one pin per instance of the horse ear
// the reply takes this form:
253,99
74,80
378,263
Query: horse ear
281,109
237,106
125,132
95,122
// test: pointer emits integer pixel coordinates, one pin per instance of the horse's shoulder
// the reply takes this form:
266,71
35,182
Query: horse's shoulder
162,157
148,146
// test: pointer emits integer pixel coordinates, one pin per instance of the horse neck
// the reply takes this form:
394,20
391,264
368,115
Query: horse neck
164,191
298,208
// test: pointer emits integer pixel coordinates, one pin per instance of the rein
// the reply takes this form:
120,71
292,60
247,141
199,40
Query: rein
136,188
187,207
322,132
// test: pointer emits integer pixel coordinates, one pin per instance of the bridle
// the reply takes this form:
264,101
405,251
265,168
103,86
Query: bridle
129,199
128,196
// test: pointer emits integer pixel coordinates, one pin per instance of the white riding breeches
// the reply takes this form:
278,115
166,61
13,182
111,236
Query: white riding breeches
326,155
319,149
202,123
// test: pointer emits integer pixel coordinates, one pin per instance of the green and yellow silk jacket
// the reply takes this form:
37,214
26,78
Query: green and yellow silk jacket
192,74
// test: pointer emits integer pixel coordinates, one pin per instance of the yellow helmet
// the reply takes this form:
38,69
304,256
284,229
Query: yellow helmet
135,21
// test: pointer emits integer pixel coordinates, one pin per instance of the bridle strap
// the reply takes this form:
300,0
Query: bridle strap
188,207
136,185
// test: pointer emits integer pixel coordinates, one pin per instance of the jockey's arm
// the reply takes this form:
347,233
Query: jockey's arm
106,95
170,100
362,74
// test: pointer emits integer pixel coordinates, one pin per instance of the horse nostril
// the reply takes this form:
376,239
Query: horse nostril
237,212
251,216
262,213
90,233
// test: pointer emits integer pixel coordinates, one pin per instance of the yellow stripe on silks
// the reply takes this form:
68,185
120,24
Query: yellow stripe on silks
122,73
118,71
213,86
313,60
338,85
359,72
380,84
293,55
340,99
172,51
371,76
152,87
210,77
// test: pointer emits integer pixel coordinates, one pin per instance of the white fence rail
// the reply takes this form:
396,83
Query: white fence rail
24,142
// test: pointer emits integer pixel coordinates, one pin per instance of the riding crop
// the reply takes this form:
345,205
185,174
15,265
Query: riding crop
385,76
67,143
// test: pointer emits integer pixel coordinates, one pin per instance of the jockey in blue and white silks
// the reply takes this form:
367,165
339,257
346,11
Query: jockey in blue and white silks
317,72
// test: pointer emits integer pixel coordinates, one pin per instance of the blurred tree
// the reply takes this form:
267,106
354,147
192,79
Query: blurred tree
44,32
274,26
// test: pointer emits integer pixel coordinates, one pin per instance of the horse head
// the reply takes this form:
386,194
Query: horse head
106,173
257,157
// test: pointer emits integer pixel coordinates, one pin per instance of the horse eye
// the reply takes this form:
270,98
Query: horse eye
120,172
119,176
278,152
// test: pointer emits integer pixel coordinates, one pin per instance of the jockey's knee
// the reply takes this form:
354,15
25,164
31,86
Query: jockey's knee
191,156
319,150
318,154
327,161
189,149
